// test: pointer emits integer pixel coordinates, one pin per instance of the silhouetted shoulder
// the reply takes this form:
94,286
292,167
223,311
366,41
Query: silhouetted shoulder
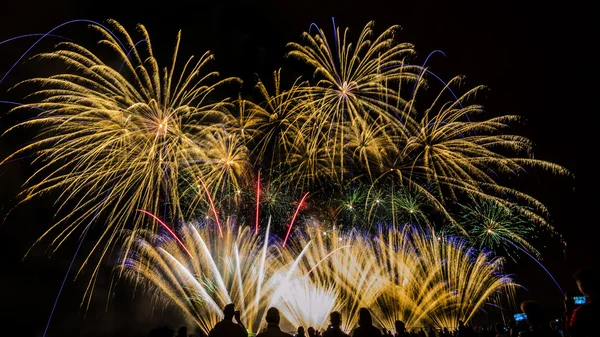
366,331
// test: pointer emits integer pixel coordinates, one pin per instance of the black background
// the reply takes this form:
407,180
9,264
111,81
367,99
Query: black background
533,58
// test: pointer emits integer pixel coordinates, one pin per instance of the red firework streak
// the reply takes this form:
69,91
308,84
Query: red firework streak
294,218
212,206
168,229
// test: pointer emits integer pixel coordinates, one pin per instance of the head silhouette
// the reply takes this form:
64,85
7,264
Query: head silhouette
364,317
300,330
335,318
229,311
182,332
587,282
534,312
499,328
400,326
311,331
273,316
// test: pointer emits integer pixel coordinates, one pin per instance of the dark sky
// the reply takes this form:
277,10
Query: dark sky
529,56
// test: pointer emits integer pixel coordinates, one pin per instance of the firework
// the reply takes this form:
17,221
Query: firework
272,118
494,227
351,102
233,268
460,152
409,274
117,133
436,280
358,119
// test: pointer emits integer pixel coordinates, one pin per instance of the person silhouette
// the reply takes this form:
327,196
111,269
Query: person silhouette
538,324
335,320
165,331
273,329
365,325
400,329
582,321
311,332
300,332
226,327
463,331
182,332
501,330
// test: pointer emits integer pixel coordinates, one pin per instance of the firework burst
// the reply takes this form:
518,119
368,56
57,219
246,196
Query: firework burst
117,137
460,153
408,274
494,227
351,101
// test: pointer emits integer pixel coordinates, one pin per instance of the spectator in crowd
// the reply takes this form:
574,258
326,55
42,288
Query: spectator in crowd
365,325
273,329
182,332
400,329
539,326
501,330
226,327
334,330
312,332
581,321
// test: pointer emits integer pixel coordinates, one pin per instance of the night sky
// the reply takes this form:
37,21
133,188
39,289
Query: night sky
529,57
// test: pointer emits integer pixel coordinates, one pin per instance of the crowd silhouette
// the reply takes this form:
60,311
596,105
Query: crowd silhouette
579,320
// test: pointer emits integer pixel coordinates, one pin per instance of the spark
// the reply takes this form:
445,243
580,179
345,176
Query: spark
294,218
169,230
212,206
257,203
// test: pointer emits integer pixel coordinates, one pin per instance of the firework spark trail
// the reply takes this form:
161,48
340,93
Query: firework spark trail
30,35
71,265
423,68
49,33
22,104
65,280
287,234
538,262
263,260
212,206
257,203
129,52
168,229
